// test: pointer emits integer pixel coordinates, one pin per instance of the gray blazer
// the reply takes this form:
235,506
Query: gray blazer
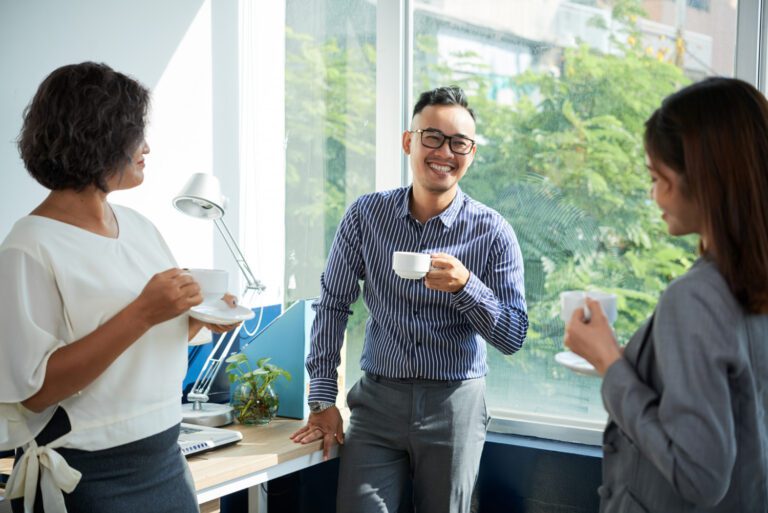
687,430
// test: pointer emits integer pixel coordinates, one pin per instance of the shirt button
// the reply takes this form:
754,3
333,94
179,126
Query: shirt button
604,491
416,312
609,448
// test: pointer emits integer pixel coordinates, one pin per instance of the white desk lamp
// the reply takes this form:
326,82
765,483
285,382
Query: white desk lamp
201,198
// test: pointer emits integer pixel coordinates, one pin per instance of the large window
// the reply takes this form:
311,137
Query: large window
561,91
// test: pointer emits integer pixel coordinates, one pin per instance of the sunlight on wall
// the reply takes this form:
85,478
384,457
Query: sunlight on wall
180,137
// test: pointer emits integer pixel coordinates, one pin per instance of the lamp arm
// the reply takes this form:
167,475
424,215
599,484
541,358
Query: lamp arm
204,381
252,282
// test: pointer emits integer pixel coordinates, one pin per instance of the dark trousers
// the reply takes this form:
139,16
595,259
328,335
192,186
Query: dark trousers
428,434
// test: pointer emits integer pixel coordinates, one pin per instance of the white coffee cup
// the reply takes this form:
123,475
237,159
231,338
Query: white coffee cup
572,299
214,283
412,266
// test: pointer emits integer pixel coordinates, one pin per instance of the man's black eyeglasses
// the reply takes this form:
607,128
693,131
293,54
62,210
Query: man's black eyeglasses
434,139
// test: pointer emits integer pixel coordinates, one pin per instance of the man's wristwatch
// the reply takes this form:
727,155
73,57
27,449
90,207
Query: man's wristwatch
318,406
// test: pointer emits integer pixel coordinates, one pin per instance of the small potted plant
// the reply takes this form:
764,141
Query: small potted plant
253,399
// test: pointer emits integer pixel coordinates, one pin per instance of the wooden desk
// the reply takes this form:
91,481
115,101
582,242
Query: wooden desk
264,453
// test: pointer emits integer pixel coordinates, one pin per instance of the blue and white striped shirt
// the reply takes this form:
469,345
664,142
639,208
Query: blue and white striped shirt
413,331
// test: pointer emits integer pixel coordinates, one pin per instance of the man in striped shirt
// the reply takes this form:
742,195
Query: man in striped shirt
418,413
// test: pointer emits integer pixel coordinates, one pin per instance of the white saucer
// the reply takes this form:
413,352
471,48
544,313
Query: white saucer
219,312
576,363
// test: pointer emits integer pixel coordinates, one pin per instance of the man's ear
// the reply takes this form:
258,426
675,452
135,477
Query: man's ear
407,142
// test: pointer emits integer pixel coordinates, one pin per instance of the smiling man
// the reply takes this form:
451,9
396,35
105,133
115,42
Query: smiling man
418,413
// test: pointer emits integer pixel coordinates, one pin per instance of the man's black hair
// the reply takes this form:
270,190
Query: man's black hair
446,95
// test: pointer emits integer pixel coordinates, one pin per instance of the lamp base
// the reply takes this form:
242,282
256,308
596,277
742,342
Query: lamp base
209,414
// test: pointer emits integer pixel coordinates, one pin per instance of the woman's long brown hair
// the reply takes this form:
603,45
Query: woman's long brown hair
715,135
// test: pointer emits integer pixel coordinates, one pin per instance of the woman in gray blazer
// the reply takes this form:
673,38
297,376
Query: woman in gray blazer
687,397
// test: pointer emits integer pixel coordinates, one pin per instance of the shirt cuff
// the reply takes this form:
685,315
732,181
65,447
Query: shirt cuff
468,297
323,390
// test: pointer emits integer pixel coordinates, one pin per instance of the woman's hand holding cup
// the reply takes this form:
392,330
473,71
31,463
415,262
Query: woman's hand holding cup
592,338
167,295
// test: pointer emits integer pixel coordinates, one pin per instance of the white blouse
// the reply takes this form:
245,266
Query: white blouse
58,283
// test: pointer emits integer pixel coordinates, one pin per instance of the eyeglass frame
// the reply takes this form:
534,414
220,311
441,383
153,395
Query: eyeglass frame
448,138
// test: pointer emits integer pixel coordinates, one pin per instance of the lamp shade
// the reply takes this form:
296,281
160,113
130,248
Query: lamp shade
201,197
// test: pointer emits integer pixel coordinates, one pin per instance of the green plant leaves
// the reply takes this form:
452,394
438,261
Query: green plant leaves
265,373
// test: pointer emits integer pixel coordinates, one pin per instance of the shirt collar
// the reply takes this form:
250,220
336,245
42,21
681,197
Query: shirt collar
447,216
403,210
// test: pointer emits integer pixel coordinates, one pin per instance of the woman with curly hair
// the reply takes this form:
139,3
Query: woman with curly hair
91,302
687,397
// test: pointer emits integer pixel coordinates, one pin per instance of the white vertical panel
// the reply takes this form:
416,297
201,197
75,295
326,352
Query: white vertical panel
225,127
393,65
262,143
751,42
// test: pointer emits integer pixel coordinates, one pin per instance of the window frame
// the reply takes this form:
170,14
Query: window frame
750,62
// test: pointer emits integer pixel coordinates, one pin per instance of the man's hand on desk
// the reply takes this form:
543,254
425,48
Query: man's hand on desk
327,425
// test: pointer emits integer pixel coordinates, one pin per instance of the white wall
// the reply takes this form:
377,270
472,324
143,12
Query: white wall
172,47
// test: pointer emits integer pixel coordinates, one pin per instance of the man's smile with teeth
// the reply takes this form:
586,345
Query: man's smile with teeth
440,168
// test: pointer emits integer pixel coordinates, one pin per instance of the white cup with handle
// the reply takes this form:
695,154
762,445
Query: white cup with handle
411,266
213,283
570,300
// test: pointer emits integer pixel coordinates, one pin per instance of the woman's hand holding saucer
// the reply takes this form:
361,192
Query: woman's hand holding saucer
231,301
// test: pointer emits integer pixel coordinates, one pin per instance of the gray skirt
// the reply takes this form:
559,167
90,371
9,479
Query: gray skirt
149,475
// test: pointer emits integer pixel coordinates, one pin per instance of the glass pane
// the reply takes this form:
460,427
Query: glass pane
561,91
330,118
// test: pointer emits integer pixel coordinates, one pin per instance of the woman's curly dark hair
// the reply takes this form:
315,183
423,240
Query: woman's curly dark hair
82,126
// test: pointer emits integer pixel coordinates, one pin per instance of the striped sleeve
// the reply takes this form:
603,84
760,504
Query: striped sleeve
495,305
339,288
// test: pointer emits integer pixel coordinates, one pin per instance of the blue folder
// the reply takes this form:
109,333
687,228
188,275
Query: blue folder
286,341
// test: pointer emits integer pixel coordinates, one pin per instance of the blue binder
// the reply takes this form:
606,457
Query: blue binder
286,341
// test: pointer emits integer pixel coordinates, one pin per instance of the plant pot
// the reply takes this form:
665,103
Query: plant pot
254,406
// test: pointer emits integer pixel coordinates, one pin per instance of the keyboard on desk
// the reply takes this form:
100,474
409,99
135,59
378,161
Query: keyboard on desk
194,439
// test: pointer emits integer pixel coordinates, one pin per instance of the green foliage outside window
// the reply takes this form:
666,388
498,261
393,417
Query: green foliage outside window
330,134
564,163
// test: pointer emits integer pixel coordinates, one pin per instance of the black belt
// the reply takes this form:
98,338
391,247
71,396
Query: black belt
411,381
